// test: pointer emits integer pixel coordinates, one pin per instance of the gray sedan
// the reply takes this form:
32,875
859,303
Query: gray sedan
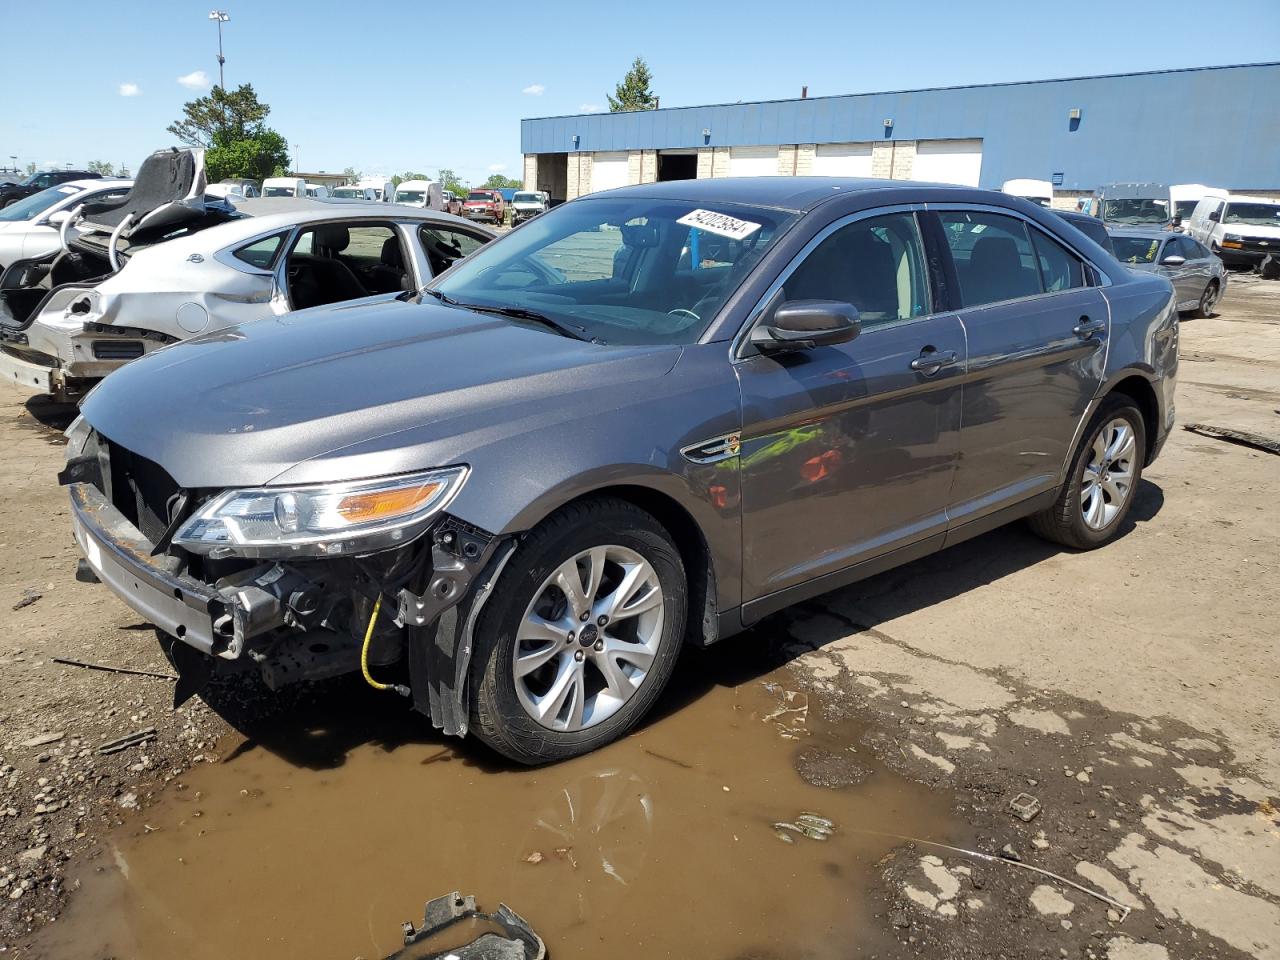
648,417
1198,276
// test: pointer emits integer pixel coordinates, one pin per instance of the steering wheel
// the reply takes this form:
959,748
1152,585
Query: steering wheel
681,311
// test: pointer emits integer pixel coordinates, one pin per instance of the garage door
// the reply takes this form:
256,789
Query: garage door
608,170
948,161
753,161
842,160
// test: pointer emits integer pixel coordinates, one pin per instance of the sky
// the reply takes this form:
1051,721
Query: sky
399,86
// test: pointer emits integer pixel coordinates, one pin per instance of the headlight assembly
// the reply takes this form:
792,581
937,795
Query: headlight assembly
325,520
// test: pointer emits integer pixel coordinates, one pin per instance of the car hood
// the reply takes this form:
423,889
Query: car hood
343,392
1251,231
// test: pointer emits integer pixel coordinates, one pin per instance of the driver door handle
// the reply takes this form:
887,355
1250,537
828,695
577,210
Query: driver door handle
931,361
1086,328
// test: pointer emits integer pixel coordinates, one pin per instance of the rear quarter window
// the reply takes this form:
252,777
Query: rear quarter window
261,253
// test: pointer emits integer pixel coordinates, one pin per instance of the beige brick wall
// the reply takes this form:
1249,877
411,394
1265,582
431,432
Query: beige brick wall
649,166
904,158
633,167
882,159
805,152
579,175
1066,199
705,158
786,159
720,162
531,171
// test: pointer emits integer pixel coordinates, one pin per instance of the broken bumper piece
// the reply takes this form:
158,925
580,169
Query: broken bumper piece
513,938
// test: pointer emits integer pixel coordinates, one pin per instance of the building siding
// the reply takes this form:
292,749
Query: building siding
1215,125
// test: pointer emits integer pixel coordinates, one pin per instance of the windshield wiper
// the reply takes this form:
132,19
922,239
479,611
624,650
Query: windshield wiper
572,331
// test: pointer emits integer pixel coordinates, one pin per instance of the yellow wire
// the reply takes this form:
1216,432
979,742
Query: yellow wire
364,650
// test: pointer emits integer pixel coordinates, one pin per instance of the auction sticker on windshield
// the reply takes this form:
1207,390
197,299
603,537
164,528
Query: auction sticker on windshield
719,223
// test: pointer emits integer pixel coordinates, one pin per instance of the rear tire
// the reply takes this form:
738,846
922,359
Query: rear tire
613,670
1103,480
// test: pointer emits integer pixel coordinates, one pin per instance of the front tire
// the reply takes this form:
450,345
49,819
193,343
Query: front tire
1103,479
1208,299
581,634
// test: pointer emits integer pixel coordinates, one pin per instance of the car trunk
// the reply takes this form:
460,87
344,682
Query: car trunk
167,200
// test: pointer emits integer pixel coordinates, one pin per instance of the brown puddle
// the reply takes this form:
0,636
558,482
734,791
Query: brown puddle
662,845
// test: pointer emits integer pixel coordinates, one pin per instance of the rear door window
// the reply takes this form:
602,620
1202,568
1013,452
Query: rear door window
1060,269
445,246
993,256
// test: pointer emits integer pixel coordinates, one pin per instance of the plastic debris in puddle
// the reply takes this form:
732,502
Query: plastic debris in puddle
809,825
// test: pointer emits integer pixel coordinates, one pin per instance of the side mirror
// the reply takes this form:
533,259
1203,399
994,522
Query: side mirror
805,324
1173,261
58,218
1215,216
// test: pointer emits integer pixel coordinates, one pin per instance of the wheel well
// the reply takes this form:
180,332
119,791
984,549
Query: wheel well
694,553
1140,391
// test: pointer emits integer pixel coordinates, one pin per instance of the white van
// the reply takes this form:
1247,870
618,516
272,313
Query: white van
1037,191
350,192
428,194
284,187
1185,196
316,190
382,189
1241,230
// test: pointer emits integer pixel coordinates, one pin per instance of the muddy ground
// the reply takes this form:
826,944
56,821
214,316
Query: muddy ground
1131,691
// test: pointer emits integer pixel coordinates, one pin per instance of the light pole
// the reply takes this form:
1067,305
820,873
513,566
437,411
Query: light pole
297,162
220,17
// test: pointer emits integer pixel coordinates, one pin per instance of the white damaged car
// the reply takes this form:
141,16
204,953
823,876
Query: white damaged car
167,263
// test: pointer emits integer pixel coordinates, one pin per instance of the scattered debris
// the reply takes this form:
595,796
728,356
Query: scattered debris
1200,357
535,857
1007,852
44,738
520,942
1241,437
1050,902
129,740
809,825
1025,807
29,596
112,669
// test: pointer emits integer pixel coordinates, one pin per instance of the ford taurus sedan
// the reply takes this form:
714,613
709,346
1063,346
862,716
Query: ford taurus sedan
647,418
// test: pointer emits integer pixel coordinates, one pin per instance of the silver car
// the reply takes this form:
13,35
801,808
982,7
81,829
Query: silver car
1198,276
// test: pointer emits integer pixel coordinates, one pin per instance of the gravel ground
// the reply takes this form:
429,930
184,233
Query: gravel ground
1132,691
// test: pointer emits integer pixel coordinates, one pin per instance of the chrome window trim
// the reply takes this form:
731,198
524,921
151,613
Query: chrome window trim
739,341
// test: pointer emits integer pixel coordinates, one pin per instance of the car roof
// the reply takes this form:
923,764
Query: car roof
267,212
786,193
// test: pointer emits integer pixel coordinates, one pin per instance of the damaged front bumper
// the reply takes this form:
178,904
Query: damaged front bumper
304,620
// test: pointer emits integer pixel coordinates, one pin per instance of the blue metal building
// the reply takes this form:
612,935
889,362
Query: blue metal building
1212,125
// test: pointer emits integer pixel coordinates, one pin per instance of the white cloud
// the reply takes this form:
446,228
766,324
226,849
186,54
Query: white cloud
534,90
589,108
195,80
497,167
129,90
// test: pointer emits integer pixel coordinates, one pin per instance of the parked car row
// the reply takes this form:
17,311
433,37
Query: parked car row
12,192
516,477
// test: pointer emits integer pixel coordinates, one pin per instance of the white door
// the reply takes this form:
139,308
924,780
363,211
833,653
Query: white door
608,171
842,160
753,161
948,161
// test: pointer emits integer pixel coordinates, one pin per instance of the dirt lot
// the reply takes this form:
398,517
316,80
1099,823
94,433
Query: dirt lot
1132,691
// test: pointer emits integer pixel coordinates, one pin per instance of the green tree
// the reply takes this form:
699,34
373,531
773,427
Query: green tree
351,173
102,167
449,180
497,182
230,126
634,92
400,178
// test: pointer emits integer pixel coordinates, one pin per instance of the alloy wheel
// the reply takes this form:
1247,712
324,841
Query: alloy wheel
1208,299
1108,476
589,637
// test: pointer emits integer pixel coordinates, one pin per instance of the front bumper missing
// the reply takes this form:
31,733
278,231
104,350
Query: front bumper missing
121,558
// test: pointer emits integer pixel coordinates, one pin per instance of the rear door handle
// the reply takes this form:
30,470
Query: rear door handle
1086,328
931,361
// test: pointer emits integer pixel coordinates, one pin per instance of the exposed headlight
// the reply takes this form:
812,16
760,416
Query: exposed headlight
1231,238
326,520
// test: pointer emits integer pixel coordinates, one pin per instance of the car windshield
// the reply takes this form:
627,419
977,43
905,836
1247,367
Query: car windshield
1184,208
1135,211
480,196
348,193
1135,249
1253,214
278,192
622,271
37,203
526,198
409,196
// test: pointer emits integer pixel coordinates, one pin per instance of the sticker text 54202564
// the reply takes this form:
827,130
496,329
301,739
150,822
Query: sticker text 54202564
719,223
